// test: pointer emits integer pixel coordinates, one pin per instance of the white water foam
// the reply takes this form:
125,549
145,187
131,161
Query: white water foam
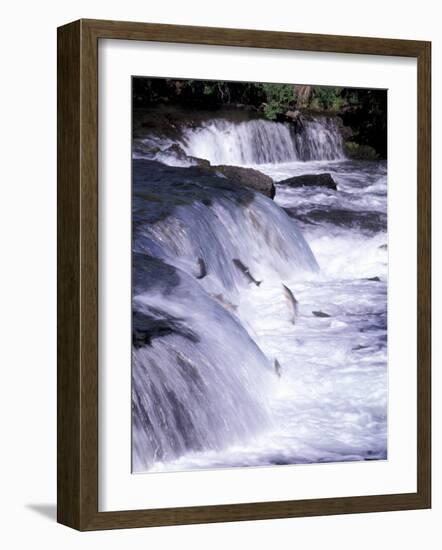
263,141
330,402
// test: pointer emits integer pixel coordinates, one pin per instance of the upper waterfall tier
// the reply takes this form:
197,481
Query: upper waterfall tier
262,141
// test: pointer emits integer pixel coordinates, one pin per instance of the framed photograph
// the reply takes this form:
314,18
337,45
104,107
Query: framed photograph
243,275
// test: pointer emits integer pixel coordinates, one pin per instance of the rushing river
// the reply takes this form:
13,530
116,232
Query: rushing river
207,391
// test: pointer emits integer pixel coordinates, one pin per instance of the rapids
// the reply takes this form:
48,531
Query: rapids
207,334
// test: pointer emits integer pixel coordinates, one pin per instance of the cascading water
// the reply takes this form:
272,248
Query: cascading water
201,382
250,142
211,265
263,141
319,139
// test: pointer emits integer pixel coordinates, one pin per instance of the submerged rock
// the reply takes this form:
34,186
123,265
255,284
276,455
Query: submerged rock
176,151
311,180
148,326
366,221
247,176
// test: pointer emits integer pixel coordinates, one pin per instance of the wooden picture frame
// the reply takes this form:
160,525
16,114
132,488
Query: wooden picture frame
78,274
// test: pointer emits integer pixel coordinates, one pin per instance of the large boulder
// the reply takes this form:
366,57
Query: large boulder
311,180
247,176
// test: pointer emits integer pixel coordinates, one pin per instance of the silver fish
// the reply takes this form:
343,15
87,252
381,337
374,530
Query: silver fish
245,270
292,302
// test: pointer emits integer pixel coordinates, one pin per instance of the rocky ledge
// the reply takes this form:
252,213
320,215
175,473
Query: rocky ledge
248,177
311,180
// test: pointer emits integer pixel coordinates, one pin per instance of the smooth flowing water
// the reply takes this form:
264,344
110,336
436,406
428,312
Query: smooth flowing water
221,375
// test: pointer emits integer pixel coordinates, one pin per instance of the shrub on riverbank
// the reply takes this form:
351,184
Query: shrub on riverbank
360,152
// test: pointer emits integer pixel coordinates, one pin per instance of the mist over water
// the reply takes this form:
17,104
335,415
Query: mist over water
205,390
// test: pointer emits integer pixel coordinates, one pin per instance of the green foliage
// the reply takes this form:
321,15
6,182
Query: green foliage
361,152
209,88
366,115
272,110
327,98
352,97
278,98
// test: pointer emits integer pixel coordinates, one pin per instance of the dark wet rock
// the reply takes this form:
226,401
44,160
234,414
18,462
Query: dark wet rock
374,279
152,274
158,189
147,326
245,107
297,120
346,131
320,314
146,150
154,122
383,247
202,163
311,180
366,221
293,115
177,151
247,176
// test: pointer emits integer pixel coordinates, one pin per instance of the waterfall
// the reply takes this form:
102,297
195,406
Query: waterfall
319,139
243,353
262,141
200,382
199,385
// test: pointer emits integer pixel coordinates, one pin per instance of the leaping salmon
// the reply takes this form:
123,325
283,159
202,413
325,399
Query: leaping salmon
278,368
245,270
203,269
292,302
320,314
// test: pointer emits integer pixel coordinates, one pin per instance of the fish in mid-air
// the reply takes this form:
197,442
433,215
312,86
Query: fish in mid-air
292,303
245,270
278,368
320,314
203,269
